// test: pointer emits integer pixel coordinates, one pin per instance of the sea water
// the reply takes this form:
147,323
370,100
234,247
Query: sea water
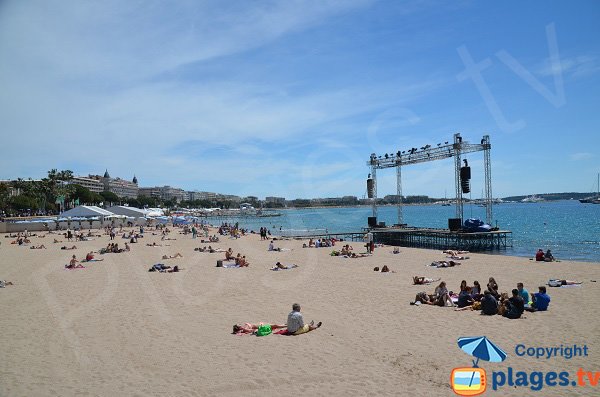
569,228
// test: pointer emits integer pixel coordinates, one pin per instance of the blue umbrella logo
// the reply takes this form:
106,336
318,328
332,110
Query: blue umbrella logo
481,348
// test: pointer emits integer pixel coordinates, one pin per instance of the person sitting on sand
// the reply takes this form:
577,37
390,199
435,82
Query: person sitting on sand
441,295
278,266
295,322
489,304
539,255
419,280
396,250
72,263
514,306
67,248
229,255
248,328
540,300
548,257
243,262
127,247
386,269
464,298
272,247
523,293
90,257
492,286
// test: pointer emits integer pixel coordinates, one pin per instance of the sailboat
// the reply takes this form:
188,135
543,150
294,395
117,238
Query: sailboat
593,199
446,203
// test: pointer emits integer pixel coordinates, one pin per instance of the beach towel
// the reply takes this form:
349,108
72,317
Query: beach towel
229,266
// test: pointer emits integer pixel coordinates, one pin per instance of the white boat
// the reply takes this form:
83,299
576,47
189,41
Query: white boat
532,199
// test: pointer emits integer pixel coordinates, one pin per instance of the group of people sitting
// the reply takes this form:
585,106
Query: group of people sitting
318,243
240,260
490,301
384,269
540,256
114,248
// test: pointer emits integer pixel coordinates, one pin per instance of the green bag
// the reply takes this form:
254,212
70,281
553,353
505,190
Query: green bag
264,330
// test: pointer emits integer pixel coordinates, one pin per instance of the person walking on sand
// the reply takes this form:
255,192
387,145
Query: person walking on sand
295,322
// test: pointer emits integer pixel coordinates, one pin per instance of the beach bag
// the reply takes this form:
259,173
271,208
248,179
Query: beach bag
264,330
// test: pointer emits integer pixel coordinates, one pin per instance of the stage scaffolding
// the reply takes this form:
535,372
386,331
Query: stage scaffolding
433,153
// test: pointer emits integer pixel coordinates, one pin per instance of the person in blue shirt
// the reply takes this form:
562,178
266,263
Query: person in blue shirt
541,300
524,293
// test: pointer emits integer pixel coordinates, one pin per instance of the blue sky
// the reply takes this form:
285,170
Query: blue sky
289,98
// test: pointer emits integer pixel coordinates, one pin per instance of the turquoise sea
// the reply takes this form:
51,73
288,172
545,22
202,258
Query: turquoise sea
570,229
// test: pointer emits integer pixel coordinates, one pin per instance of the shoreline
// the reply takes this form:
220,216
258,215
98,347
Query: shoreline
115,328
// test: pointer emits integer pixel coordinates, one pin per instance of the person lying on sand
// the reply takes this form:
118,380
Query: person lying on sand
57,241
419,280
457,258
90,258
159,267
177,255
248,328
278,266
355,255
556,282
67,248
445,263
154,245
39,247
4,283
454,252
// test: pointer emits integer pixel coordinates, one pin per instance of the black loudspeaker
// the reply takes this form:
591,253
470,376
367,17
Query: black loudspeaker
465,176
370,186
372,221
454,224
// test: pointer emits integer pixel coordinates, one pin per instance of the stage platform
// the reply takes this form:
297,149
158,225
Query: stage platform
443,239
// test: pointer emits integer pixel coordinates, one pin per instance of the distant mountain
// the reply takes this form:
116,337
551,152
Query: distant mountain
551,196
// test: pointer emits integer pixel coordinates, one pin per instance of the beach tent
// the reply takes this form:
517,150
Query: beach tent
130,212
85,211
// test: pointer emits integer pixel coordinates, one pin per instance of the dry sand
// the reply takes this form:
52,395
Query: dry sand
114,329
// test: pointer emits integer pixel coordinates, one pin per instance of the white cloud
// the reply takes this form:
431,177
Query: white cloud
581,156
577,66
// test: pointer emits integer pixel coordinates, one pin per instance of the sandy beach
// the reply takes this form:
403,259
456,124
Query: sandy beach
115,329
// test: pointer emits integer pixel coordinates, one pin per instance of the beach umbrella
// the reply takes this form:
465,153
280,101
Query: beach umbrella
481,348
